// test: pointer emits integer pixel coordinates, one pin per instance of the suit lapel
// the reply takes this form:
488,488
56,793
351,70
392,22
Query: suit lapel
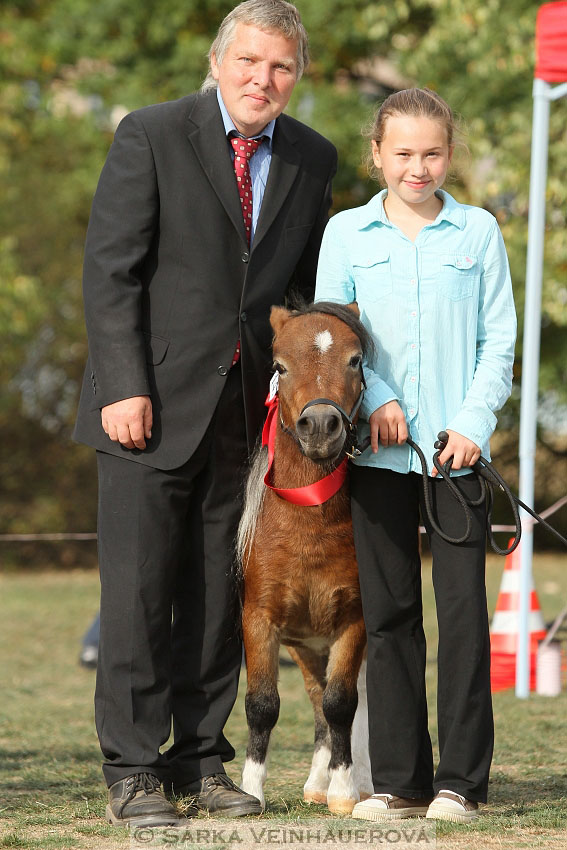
205,130
283,171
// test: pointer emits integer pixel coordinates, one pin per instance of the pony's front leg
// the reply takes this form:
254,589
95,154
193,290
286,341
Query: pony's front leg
339,705
359,741
262,702
313,666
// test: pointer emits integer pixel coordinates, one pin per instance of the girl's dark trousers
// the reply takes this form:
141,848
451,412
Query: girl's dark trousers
386,512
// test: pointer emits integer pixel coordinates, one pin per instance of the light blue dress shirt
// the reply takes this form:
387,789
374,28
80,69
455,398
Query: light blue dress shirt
441,311
259,163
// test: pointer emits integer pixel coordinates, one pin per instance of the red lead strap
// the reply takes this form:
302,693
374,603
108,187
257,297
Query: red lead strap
313,494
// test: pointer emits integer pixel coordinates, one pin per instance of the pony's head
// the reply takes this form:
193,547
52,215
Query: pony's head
318,350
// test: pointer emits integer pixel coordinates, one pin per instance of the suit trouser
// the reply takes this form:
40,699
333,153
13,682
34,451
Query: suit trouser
385,512
170,644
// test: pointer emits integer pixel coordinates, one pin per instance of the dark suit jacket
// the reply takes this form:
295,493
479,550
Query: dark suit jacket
169,282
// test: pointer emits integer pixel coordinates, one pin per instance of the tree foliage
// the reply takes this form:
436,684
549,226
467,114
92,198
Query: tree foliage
69,69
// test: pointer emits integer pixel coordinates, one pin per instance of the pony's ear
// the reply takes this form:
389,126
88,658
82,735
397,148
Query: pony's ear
278,318
354,307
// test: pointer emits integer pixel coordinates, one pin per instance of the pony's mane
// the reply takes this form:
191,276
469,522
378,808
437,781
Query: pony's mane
342,312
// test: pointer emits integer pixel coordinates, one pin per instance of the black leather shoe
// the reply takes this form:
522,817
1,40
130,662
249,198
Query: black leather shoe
218,795
138,800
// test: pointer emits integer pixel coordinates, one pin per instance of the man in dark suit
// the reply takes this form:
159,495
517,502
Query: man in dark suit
178,285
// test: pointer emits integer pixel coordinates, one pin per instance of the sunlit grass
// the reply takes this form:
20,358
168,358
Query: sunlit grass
51,789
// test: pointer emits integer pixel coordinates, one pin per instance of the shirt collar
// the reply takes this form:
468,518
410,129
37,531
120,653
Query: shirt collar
267,133
373,212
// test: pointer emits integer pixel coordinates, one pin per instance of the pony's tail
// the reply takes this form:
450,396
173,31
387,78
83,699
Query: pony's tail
253,501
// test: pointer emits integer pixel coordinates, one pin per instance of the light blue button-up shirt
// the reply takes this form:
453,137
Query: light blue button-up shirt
441,311
259,163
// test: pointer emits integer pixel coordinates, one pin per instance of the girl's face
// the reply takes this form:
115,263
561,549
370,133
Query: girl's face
414,157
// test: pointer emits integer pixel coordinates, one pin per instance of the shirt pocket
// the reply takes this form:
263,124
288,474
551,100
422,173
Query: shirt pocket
458,275
372,276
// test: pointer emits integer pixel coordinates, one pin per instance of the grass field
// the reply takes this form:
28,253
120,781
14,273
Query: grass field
51,790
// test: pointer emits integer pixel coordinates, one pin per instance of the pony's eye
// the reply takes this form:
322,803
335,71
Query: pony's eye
355,361
281,370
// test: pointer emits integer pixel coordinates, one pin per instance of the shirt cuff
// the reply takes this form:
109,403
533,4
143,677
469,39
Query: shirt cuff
474,428
376,394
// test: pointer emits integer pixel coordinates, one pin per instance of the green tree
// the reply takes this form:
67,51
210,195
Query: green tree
70,68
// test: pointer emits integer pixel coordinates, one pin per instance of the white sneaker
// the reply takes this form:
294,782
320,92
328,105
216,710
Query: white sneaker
381,807
448,805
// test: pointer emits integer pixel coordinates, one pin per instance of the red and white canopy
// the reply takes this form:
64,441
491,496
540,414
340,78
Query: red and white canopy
551,42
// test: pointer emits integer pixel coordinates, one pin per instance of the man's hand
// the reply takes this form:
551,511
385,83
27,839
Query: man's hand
388,425
463,451
129,421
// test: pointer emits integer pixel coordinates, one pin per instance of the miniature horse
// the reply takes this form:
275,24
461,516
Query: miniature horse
297,561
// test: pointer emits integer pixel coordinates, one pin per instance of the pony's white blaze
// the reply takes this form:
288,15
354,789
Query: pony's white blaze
323,341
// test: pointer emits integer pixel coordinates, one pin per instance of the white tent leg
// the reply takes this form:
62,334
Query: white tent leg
530,367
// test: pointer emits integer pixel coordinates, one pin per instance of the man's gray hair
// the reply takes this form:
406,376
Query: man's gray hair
266,15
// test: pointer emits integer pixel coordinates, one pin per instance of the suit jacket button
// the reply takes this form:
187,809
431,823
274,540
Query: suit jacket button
222,370
243,316
245,257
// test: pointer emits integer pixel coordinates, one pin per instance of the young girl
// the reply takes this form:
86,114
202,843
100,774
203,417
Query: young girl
432,282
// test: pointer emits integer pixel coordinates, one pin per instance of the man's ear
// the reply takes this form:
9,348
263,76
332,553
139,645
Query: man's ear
214,66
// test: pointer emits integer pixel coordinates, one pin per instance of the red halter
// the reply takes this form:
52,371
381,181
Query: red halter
313,494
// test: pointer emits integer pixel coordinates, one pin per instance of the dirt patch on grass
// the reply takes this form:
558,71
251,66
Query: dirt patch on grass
518,841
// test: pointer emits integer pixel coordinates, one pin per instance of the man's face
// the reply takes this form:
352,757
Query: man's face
256,76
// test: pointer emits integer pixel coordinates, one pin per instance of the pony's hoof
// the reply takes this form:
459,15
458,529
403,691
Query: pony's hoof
341,806
364,795
319,797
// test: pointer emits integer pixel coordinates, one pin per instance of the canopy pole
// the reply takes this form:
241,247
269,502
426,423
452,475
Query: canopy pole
530,367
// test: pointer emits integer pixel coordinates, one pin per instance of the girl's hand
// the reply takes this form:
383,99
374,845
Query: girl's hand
388,425
463,451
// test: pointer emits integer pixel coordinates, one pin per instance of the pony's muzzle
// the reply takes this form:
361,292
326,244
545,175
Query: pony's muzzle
321,432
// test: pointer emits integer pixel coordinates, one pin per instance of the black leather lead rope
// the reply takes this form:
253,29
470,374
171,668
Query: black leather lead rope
488,477
444,471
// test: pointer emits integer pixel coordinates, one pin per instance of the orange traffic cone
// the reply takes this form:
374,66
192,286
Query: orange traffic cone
505,627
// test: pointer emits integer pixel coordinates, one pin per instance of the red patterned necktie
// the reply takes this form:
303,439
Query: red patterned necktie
244,149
